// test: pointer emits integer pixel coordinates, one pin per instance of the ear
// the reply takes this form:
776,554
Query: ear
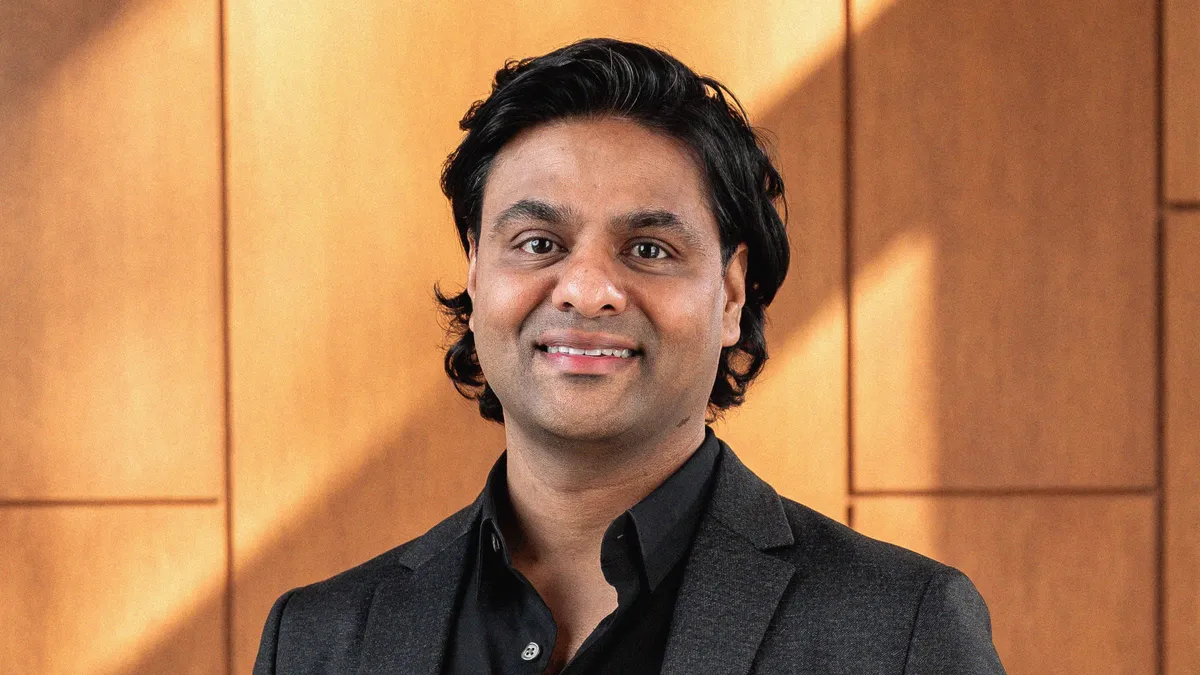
472,256
735,296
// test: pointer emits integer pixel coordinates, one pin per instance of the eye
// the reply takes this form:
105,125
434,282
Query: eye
649,251
537,246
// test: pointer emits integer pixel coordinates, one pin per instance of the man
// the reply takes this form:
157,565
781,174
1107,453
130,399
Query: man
619,219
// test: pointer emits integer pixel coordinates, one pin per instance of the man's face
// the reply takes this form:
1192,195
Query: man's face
596,234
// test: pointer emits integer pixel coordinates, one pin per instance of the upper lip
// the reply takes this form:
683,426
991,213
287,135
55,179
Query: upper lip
582,340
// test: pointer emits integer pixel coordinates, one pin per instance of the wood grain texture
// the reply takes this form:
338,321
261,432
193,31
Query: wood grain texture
1070,581
348,439
93,589
110,251
1003,244
1182,470
1181,99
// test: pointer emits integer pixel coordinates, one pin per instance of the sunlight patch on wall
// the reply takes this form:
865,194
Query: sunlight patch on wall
780,431
893,352
87,587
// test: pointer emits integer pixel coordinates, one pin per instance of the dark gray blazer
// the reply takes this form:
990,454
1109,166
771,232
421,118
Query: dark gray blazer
770,587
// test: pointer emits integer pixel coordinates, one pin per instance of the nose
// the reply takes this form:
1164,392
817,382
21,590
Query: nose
589,284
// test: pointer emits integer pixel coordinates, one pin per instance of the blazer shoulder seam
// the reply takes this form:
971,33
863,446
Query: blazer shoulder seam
916,620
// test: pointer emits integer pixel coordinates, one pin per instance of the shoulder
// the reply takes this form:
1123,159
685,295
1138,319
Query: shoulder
830,550
334,594
855,574
326,620
823,550
873,602
346,592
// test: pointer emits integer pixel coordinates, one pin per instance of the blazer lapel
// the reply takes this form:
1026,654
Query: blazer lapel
731,587
408,628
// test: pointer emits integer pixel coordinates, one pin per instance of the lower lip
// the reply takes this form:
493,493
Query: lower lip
579,364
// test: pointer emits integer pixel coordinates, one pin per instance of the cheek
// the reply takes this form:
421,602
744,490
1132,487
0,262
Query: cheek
688,321
502,303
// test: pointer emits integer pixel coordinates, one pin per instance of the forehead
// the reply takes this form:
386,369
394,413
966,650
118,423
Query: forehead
599,168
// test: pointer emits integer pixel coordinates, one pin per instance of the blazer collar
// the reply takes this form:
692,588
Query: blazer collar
731,586
744,503
408,627
441,536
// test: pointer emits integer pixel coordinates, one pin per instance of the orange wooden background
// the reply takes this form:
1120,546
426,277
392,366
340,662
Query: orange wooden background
220,360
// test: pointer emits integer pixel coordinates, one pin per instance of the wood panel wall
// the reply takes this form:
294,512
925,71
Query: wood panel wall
1069,579
1005,310
112,431
1016,160
220,227
1181,475
1181,28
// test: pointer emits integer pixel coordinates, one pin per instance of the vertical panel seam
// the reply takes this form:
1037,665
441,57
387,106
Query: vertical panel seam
1160,544
223,129
848,241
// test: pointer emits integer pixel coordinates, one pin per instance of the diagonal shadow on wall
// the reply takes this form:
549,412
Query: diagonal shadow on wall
352,524
972,294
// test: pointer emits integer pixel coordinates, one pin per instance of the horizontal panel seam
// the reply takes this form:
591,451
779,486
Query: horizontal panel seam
135,501
1148,491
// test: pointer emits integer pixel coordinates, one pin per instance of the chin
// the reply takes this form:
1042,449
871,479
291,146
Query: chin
581,426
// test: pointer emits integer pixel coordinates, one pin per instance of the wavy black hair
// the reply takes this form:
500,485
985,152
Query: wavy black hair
605,77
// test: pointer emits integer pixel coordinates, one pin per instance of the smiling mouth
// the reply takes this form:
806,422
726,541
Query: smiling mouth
587,361
593,353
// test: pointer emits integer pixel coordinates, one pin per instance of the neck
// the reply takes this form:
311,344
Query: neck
563,496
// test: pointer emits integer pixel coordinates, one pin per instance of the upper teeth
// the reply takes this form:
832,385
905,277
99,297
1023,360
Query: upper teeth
619,353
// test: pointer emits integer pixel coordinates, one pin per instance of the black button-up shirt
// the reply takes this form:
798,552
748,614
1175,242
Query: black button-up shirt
504,626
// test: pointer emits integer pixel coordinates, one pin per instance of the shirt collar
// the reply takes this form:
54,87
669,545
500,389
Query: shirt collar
491,540
664,522
666,519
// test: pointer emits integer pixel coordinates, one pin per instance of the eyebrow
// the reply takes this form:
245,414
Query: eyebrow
641,219
662,219
531,209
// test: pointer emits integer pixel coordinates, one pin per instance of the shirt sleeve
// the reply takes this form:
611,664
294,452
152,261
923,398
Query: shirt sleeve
953,630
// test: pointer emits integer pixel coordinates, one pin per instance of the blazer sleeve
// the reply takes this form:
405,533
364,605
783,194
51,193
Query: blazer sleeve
953,630
269,645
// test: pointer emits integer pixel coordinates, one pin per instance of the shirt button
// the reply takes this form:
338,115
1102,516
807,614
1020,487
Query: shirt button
495,543
531,651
